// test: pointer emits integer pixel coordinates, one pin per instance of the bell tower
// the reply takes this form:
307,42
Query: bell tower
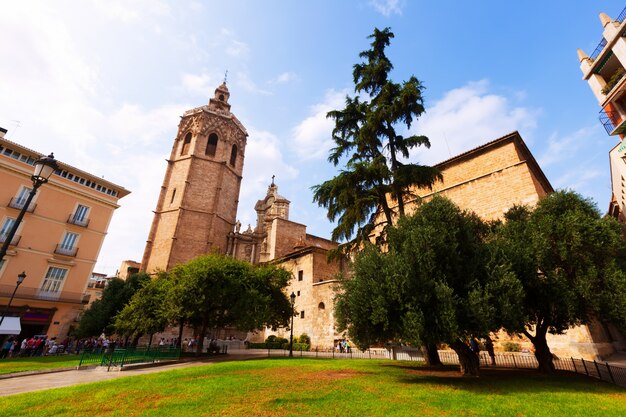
197,206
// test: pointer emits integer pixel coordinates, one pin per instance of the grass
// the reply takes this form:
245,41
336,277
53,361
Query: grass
310,387
37,363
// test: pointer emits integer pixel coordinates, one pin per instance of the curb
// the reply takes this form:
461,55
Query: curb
41,372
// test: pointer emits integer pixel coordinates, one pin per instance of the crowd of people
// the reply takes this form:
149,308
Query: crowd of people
41,345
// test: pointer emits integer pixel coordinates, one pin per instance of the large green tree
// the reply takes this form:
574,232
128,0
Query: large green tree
216,291
437,282
100,316
570,262
146,312
368,138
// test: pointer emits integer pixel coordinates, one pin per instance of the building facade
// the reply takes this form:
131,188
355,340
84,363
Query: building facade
57,243
197,206
604,72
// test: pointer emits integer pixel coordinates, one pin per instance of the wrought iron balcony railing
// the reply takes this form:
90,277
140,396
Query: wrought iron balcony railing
613,122
19,203
598,49
29,293
65,250
78,221
14,241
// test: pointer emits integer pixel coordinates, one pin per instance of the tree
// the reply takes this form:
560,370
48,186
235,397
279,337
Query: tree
436,282
365,136
570,262
145,313
216,291
100,316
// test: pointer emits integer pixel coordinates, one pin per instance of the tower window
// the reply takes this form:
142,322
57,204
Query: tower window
302,314
221,97
321,306
233,155
173,196
211,145
186,144
300,275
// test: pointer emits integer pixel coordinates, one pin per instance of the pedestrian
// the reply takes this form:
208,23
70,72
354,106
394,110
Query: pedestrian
489,349
6,347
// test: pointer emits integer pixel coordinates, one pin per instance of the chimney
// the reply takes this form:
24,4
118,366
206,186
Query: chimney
2,132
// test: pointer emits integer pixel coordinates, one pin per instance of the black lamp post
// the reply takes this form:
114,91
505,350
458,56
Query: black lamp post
20,279
293,300
44,167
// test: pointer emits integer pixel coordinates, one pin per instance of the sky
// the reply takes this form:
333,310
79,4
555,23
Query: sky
103,83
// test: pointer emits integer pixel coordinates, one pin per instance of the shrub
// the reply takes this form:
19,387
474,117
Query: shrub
297,346
512,347
304,338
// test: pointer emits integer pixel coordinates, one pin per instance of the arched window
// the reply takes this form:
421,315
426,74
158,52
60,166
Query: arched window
186,144
211,145
321,306
233,155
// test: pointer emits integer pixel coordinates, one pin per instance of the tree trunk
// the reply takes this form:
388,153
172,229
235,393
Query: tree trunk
201,338
150,341
180,334
431,355
542,350
468,360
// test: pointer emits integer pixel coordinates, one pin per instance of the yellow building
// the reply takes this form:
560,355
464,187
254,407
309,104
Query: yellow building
56,244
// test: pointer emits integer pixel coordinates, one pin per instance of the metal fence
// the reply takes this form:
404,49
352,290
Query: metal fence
121,357
603,371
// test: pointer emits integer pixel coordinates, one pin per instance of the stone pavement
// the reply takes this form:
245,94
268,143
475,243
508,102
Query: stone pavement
28,383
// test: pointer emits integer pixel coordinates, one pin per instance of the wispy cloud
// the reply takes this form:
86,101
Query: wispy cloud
200,84
387,7
467,117
284,78
313,135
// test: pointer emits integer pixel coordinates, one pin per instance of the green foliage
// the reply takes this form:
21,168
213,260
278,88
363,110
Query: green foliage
146,312
276,339
512,347
366,139
304,338
216,291
613,80
297,346
432,285
101,315
570,263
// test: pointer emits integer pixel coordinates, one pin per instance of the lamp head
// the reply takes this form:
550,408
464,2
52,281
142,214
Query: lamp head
293,297
21,277
44,167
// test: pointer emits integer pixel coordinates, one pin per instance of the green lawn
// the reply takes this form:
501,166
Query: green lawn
9,366
309,387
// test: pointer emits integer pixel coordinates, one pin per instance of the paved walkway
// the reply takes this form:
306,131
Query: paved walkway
28,383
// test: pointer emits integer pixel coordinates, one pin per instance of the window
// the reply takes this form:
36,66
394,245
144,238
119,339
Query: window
298,293
300,275
233,155
54,279
22,196
173,195
80,216
302,314
321,306
186,144
6,228
211,145
68,244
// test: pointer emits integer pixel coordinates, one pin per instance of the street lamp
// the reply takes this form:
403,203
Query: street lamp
20,279
293,300
44,167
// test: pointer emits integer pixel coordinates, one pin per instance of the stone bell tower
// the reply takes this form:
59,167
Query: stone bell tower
197,207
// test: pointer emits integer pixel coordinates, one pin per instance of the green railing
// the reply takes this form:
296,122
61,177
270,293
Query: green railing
122,357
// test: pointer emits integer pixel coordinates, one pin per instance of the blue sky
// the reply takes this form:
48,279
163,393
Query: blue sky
103,83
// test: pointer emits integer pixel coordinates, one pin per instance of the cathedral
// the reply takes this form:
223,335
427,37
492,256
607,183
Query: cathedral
197,214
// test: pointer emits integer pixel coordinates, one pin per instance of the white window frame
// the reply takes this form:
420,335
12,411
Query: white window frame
81,221
54,281
4,230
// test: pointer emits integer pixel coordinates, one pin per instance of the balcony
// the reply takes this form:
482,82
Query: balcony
26,293
14,241
19,203
65,251
614,123
78,221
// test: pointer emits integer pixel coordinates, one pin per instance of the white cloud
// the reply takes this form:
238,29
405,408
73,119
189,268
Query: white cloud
264,158
200,84
467,117
560,148
131,11
242,79
312,137
387,7
284,78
